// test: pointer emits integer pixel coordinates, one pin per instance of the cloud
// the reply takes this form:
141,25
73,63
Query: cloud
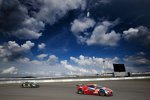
53,10
28,45
66,65
52,66
11,51
10,70
94,61
31,28
81,25
82,61
48,67
139,34
27,19
52,59
24,60
18,23
28,62
75,70
104,1
0,2
96,3
138,59
41,46
79,28
42,56
99,36
138,62
131,32
89,65
93,65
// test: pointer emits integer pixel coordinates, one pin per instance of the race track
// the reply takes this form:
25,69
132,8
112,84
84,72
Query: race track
123,90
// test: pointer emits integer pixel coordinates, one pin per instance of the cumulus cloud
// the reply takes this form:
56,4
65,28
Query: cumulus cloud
27,19
66,65
79,28
48,67
81,65
138,59
54,66
75,70
100,34
53,10
28,62
42,56
28,45
17,22
89,65
101,37
83,61
96,3
11,51
139,34
41,46
0,2
105,1
94,61
30,29
24,60
52,59
138,62
81,25
10,70
131,32
94,65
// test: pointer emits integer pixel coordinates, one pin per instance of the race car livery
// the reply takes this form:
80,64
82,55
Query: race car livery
30,85
94,89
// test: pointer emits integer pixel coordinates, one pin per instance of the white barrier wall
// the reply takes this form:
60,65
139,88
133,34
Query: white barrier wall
74,80
120,74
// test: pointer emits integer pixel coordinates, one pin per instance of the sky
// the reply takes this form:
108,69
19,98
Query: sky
73,37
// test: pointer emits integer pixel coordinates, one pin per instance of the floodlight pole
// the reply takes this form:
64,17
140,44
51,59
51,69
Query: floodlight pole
104,66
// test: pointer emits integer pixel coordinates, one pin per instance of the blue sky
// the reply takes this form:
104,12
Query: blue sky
73,37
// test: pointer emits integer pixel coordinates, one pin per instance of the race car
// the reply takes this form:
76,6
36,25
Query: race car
30,85
94,89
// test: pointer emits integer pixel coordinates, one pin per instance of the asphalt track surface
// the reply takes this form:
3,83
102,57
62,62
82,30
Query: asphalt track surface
123,90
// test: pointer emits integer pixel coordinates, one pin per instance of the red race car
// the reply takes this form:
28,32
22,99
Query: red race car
94,89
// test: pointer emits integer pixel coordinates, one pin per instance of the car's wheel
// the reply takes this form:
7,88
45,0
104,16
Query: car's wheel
29,85
23,86
102,93
80,91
